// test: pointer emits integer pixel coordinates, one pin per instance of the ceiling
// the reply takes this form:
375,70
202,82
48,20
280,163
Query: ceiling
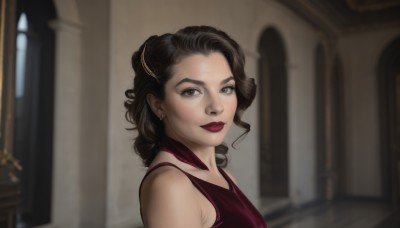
340,17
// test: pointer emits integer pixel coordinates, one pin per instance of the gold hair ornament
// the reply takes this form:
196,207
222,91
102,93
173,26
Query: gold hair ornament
144,65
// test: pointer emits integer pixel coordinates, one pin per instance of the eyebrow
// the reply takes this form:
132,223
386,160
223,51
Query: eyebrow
201,83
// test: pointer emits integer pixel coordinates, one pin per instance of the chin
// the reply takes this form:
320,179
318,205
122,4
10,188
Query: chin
205,141
201,138
214,140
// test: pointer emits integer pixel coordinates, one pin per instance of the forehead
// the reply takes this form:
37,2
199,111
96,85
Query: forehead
205,67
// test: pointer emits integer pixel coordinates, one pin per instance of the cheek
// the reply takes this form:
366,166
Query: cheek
184,112
231,106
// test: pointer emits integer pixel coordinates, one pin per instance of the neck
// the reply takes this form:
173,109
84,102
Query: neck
207,156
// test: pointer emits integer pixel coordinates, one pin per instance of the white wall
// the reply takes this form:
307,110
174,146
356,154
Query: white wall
94,111
66,193
81,109
360,54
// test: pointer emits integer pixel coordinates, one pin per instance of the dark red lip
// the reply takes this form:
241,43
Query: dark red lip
214,126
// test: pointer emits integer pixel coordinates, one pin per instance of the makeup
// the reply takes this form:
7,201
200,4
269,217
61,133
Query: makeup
214,126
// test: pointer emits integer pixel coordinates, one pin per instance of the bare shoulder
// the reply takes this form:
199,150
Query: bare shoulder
165,178
165,181
168,199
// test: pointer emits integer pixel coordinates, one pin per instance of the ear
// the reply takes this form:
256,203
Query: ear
155,104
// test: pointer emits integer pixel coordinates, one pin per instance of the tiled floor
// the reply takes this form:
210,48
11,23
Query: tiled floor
346,214
339,214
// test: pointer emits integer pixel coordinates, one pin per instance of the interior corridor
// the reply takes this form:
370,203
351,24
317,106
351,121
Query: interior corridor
340,213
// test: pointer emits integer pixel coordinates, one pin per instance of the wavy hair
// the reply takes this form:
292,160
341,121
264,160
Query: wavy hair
153,64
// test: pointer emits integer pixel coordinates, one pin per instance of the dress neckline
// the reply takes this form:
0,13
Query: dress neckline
182,153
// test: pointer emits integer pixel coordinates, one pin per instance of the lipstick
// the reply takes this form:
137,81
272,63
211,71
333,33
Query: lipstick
214,126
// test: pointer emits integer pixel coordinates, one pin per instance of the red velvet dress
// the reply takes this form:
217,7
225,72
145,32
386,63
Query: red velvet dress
232,206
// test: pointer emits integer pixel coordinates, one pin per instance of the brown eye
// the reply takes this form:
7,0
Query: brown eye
190,92
228,90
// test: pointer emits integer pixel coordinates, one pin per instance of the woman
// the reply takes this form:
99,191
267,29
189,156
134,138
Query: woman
189,88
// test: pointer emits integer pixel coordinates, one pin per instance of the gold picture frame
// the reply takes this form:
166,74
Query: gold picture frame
2,33
8,164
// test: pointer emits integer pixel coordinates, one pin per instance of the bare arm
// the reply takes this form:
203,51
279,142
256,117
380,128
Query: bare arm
168,200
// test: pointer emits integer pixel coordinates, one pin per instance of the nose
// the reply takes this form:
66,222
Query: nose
215,105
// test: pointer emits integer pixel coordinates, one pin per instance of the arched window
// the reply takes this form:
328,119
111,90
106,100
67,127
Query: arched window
34,102
22,43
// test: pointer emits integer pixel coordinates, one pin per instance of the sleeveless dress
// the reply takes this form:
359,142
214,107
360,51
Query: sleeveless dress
231,205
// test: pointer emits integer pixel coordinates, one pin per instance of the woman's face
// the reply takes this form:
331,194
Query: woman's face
200,100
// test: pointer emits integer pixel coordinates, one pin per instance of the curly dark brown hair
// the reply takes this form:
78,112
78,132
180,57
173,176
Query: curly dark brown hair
161,54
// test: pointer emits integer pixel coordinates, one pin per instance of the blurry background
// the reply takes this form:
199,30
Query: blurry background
325,123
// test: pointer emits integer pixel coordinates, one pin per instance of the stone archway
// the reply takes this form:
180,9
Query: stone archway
273,115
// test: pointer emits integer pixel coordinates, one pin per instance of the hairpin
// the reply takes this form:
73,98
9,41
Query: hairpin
144,65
